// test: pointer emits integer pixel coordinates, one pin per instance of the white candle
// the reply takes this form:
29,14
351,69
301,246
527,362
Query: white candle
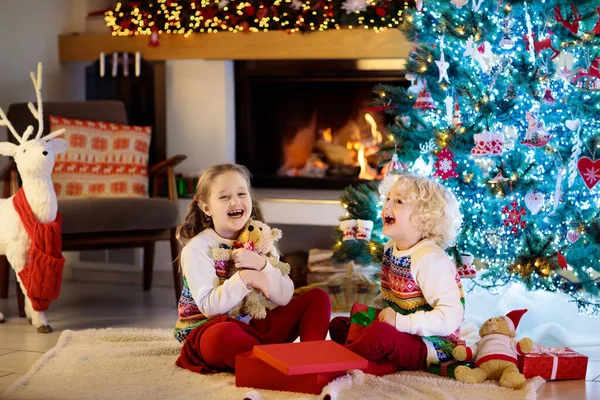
115,64
138,62
102,65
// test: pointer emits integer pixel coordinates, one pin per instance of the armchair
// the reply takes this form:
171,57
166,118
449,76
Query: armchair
104,223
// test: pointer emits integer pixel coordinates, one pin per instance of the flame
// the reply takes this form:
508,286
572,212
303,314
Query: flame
377,136
327,135
366,172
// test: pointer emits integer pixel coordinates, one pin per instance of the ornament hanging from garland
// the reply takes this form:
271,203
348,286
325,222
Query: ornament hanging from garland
424,101
534,201
589,171
514,217
572,236
549,98
445,165
536,135
442,64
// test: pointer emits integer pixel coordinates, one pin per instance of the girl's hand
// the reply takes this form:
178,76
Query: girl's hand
246,259
388,315
257,280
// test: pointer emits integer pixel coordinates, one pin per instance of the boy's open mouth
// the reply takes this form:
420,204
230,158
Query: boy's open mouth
388,220
236,214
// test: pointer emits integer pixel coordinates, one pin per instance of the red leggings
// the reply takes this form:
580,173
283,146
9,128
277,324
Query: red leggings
382,342
306,316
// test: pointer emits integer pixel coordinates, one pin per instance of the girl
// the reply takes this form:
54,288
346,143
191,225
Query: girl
222,206
421,295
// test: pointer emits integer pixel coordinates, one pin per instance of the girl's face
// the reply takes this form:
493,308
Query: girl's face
396,214
229,204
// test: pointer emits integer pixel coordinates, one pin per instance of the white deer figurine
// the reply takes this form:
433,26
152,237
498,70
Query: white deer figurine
35,160
481,53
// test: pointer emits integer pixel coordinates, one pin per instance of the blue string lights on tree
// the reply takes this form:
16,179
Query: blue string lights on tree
524,80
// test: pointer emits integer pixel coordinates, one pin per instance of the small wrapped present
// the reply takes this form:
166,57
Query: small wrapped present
447,368
361,316
553,363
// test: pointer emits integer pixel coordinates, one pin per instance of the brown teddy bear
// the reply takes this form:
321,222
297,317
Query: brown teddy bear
496,353
259,237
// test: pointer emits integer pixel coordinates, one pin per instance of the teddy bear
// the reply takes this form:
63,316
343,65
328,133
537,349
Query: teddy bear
259,237
495,353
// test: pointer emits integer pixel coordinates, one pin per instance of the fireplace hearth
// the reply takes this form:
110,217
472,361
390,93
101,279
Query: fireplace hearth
306,124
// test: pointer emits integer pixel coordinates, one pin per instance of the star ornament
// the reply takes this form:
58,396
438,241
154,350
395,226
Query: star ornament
442,64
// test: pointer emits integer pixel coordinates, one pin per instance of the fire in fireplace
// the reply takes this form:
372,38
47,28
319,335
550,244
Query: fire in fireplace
307,123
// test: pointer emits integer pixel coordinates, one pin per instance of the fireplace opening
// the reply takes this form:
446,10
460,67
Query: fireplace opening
307,123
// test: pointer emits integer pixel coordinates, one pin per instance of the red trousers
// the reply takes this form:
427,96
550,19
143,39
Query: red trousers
381,342
213,347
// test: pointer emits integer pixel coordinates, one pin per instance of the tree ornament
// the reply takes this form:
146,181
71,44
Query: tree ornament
477,5
510,137
514,216
422,167
574,125
592,72
499,178
364,229
572,236
459,3
571,26
349,229
467,270
419,5
596,28
562,261
224,3
558,192
353,6
414,88
394,166
506,42
488,144
296,4
534,201
442,64
537,135
511,93
456,122
589,171
482,54
445,165
549,98
540,45
424,100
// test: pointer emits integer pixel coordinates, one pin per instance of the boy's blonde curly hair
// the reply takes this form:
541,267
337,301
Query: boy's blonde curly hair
435,210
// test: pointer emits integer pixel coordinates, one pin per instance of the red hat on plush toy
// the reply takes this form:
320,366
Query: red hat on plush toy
513,318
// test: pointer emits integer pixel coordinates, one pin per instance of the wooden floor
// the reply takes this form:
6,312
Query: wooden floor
84,305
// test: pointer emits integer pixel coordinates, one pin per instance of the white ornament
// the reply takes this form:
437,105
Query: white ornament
572,236
574,125
510,137
414,88
482,53
558,189
225,3
534,201
296,4
529,36
352,6
449,102
456,122
422,167
349,229
477,5
365,227
459,3
419,5
442,64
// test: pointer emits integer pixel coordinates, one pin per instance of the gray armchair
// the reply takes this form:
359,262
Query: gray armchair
104,223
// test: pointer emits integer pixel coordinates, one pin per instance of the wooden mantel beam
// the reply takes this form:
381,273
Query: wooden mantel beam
334,44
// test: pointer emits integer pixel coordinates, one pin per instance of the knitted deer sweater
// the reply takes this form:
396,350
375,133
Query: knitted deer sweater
42,275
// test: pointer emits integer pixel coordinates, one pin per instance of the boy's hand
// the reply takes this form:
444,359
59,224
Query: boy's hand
388,315
246,259
257,280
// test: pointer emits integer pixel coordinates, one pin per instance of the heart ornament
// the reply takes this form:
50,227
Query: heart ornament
573,124
589,171
572,236
534,201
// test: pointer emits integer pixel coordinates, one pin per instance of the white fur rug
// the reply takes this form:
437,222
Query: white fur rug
129,363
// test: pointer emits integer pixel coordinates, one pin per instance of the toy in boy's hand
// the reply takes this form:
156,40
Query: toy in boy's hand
260,238
496,353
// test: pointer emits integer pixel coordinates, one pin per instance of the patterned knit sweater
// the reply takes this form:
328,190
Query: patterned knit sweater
421,284
207,294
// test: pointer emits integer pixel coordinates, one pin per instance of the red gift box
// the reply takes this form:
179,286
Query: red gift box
361,316
304,367
553,363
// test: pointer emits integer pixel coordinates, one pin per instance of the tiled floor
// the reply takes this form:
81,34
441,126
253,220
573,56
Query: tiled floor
83,305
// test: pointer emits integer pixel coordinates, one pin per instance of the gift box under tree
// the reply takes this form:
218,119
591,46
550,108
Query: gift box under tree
553,363
447,368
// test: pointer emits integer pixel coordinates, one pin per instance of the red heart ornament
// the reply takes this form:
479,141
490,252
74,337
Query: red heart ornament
589,171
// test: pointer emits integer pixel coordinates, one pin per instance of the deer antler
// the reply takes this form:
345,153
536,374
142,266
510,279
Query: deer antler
5,122
37,113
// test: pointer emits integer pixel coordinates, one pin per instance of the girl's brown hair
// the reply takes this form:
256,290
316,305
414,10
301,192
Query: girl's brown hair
195,220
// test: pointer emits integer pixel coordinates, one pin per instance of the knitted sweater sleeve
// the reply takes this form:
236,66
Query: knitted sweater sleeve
210,296
281,287
436,276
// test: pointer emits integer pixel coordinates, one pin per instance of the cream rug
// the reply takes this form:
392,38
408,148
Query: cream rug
129,363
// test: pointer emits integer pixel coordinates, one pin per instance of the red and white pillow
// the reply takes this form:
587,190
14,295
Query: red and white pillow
103,159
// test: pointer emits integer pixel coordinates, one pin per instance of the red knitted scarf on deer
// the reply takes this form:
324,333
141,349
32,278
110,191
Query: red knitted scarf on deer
42,275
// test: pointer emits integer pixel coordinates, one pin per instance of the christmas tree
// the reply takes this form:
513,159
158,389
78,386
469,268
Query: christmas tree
503,109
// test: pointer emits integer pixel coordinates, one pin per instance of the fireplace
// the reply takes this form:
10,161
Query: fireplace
306,124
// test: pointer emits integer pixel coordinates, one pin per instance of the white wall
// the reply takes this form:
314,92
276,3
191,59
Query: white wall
200,113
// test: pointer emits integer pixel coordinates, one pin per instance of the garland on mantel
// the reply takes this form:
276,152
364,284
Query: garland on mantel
155,17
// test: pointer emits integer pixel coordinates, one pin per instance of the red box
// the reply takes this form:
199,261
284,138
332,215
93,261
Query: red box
554,363
304,367
361,316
